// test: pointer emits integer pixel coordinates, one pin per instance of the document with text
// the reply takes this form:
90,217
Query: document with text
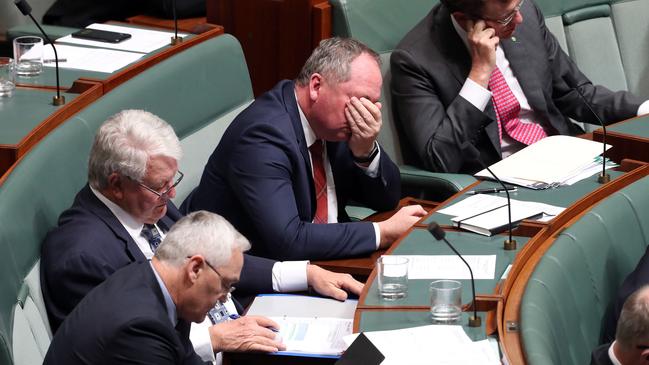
450,266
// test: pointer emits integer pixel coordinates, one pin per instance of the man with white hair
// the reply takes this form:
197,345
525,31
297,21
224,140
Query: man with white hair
122,215
141,314
631,345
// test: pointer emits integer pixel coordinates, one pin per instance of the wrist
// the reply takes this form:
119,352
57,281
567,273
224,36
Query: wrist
368,157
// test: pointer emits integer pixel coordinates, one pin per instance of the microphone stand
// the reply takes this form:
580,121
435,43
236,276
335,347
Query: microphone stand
175,39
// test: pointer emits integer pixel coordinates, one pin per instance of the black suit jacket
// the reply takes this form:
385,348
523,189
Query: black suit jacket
123,320
600,355
431,64
90,244
259,178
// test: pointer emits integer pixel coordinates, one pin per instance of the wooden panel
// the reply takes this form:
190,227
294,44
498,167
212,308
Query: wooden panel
189,25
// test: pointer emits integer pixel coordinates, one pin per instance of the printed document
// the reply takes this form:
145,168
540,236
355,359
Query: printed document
450,266
323,336
90,59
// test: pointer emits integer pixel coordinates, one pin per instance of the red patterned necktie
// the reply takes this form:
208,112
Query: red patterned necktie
507,111
320,182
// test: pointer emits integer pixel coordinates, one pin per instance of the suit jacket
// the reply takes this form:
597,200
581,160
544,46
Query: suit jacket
259,177
600,355
90,244
431,64
123,320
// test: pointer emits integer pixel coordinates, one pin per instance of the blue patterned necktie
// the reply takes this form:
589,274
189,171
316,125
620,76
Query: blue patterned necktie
219,313
151,234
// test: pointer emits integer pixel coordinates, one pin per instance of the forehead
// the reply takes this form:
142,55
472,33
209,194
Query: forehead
160,168
365,78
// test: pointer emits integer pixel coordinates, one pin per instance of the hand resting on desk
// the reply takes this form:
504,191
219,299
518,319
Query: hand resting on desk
332,284
249,333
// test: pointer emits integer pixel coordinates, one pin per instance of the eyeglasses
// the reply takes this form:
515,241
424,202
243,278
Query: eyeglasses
165,193
228,287
508,19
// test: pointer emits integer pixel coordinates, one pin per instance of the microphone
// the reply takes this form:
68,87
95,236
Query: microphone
440,235
470,152
25,9
570,80
175,39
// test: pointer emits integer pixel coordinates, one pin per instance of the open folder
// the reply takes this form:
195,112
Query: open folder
550,162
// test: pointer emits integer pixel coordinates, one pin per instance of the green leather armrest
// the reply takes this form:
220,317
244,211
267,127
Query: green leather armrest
53,31
433,186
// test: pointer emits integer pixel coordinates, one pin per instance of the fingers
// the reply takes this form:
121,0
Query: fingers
263,321
332,284
352,285
415,210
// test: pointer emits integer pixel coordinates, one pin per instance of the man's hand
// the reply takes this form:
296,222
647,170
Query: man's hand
249,333
396,225
331,284
482,42
364,119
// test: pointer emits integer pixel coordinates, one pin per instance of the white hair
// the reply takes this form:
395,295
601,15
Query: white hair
201,233
124,144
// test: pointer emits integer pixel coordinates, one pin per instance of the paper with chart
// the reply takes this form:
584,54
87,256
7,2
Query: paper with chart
432,344
450,266
142,40
320,335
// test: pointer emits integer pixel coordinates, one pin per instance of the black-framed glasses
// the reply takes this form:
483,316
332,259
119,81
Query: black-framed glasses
508,19
229,288
179,177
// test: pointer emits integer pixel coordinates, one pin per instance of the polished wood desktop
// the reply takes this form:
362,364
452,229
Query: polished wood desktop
629,138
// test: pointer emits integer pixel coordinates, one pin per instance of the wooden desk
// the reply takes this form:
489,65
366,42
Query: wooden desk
33,116
629,138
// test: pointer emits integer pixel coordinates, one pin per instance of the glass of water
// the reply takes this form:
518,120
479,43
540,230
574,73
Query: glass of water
446,301
28,55
392,277
7,79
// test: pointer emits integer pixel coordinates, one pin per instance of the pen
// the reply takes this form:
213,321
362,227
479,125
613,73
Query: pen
490,191
50,60
234,316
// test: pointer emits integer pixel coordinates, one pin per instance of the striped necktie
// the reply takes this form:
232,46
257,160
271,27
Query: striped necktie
320,182
151,234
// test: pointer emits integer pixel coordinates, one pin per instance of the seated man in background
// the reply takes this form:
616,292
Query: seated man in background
631,345
122,215
489,72
288,164
141,313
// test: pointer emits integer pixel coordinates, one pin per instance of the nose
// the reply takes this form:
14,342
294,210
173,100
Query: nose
171,193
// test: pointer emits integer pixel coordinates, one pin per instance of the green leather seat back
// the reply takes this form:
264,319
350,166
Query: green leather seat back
567,296
632,30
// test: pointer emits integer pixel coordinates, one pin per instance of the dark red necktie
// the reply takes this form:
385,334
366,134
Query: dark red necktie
320,182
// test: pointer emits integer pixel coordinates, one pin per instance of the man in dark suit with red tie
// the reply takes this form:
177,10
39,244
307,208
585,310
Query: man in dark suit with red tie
287,165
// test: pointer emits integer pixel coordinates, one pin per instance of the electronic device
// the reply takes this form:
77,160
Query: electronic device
101,35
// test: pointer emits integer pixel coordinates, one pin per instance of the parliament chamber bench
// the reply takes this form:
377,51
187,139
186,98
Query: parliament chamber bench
198,91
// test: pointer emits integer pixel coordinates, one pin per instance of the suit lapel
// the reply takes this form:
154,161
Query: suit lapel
98,208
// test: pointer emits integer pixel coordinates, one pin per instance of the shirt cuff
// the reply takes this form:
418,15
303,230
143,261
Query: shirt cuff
372,170
377,234
475,94
644,108
199,335
289,276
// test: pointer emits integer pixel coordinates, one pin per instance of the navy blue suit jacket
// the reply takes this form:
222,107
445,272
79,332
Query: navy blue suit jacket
259,178
90,244
123,320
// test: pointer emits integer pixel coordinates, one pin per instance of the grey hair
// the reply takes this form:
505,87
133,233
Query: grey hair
201,233
332,58
125,142
633,324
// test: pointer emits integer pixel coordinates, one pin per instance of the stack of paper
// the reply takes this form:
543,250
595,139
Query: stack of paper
487,214
91,59
450,266
433,344
550,162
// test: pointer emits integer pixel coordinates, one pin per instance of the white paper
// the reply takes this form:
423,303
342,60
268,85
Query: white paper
90,59
433,344
314,335
549,161
450,266
142,40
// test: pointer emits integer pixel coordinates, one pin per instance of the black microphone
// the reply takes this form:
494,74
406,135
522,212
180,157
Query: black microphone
24,8
175,39
470,152
440,235
572,82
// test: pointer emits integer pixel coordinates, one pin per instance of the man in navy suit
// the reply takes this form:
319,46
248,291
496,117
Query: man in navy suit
132,174
631,345
290,162
141,314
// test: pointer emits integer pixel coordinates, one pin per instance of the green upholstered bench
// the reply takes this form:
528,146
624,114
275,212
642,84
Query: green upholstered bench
197,91
381,24
566,298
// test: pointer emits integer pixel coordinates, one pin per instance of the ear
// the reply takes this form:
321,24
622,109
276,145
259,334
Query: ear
116,185
193,268
315,84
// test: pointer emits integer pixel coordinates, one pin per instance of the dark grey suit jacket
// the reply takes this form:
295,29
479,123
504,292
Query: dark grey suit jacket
431,64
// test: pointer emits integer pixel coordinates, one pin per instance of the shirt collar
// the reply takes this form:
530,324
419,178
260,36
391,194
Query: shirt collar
611,355
169,303
132,226
309,134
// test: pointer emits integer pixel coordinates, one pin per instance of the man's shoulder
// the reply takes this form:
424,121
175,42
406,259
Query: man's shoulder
420,37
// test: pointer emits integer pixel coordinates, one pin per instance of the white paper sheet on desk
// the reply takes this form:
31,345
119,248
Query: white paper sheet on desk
90,59
320,335
450,266
142,40
476,204
433,344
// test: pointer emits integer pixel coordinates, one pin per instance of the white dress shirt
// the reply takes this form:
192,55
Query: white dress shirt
332,201
480,97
